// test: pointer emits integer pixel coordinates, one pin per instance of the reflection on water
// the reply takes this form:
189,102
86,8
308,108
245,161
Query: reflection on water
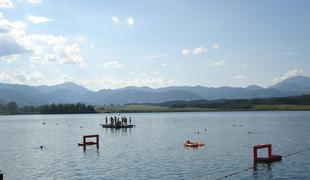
118,131
154,149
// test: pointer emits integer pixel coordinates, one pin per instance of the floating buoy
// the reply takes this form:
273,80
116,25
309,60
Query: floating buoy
193,144
271,158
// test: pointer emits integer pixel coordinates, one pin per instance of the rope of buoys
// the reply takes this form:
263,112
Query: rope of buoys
257,165
296,152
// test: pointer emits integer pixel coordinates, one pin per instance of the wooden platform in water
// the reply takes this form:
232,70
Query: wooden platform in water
117,126
273,158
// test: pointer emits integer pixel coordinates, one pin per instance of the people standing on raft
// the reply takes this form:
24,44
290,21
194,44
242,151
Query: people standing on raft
118,121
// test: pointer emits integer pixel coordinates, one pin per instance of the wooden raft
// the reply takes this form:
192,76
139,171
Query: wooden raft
117,126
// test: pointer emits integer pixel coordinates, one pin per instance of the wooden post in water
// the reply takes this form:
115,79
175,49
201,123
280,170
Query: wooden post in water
97,141
254,153
1,176
269,151
271,158
85,142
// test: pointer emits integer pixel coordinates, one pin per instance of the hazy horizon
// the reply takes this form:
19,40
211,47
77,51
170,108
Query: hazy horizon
49,85
115,44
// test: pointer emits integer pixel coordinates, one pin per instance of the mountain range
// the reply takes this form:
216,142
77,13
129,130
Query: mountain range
71,93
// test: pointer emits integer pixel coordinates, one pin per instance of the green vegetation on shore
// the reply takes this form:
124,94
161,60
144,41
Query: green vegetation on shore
143,108
152,108
78,108
262,104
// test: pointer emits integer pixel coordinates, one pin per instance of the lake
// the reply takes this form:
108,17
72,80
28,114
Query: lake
154,148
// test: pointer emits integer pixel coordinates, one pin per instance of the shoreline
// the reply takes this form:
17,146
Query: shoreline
124,110
179,111
161,109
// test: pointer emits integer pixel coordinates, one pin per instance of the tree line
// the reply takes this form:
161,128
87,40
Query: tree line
78,108
238,103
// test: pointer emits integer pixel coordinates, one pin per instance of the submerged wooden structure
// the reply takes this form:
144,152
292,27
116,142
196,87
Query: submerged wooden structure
86,143
117,126
271,158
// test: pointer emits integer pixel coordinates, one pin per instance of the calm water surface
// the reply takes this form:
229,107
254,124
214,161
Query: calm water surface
154,149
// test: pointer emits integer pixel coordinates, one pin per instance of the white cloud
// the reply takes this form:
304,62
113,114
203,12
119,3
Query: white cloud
115,20
239,77
10,58
290,73
16,29
11,34
186,51
12,29
200,50
216,63
50,48
34,1
130,21
156,56
9,46
43,48
215,46
111,65
35,77
37,19
153,79
47,39
22,77
6,4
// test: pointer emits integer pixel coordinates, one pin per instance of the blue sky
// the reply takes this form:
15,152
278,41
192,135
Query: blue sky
113,44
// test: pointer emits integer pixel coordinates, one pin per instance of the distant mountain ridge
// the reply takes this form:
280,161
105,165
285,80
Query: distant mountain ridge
71,93
297,83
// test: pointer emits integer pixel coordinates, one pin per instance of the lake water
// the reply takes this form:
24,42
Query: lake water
154,148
